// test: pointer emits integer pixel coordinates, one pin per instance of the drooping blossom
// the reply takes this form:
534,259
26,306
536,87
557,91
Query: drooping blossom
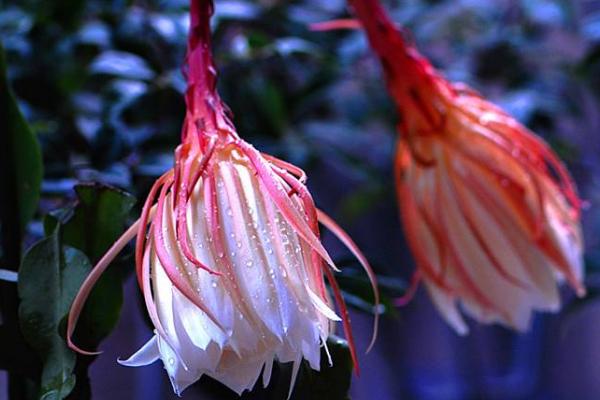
489,211
228,254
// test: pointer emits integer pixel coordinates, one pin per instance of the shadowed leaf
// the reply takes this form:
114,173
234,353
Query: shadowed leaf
49,278
95,222
21,162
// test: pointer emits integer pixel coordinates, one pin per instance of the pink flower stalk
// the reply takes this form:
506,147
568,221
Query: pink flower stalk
228,254
489,211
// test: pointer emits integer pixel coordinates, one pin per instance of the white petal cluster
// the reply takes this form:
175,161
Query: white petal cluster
269,302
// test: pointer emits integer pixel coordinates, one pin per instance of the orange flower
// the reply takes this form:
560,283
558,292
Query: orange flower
489,211
228,253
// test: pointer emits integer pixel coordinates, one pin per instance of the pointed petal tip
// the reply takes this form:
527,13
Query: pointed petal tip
146,355
123,362
322,307
461,331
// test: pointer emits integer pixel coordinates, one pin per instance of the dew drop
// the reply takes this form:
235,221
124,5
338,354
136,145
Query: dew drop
249,263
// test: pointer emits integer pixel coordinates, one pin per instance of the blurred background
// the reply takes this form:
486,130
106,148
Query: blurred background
99,81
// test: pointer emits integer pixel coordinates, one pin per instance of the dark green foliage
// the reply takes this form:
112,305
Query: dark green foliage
52,272
92,225
49,278
21,164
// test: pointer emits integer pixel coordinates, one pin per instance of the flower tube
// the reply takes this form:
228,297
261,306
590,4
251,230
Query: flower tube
490,213
228,253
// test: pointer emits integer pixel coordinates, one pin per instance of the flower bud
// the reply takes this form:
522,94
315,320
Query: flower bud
489,211
228,253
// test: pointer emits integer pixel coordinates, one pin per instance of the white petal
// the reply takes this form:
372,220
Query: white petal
239,374
311,351
482,286
295,369
267,372
321,306
196,324
180,376
146,355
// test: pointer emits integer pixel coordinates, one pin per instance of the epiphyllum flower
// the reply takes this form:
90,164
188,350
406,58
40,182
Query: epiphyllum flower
490,213
229,258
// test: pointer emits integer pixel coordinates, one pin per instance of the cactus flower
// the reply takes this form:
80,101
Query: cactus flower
228,254
489,211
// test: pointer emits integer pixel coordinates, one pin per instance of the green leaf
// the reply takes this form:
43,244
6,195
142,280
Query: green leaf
49,278
21,160
92,226
98,219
